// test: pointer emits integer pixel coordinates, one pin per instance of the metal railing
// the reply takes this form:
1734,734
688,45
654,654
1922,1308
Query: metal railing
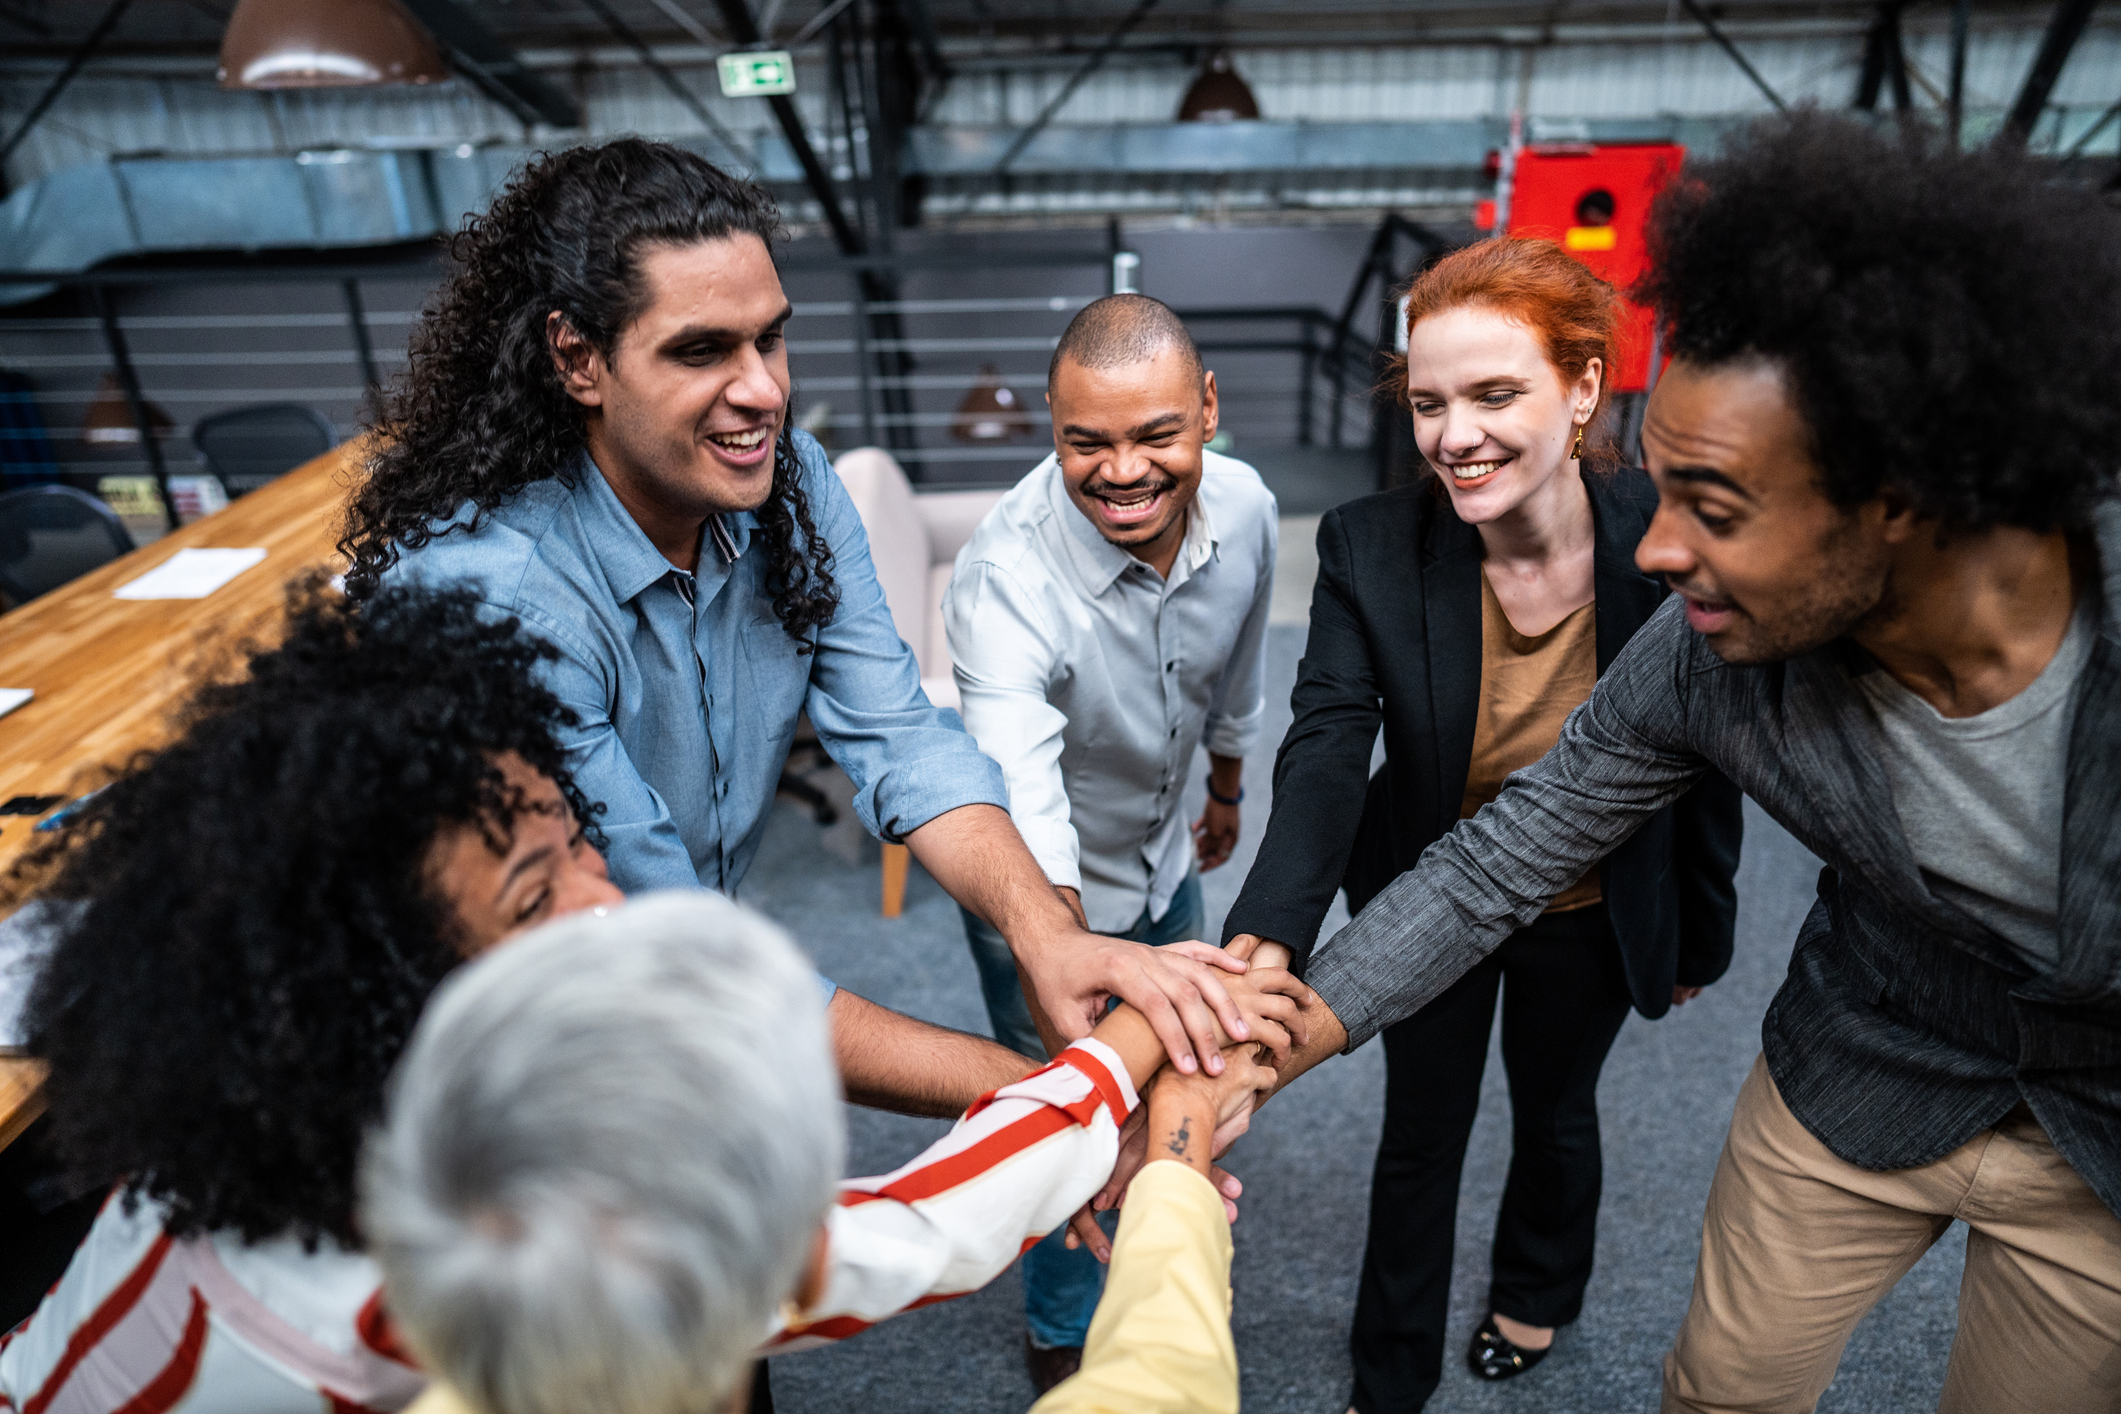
119,372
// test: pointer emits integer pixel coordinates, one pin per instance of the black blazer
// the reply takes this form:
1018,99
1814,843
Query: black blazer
1395,641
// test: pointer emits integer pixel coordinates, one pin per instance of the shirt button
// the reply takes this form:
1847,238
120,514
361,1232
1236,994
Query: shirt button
1171,666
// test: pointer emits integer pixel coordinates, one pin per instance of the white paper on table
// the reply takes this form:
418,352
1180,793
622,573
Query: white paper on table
189,574
13,697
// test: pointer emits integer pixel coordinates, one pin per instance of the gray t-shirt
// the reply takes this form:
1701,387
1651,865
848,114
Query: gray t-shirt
1980,797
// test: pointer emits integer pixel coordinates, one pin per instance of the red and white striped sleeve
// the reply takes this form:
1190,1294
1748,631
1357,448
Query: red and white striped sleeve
1014,1168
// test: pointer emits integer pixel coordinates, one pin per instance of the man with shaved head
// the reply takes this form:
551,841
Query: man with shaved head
1106,621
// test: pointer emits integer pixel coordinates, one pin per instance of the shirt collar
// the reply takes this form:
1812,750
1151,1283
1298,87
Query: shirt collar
1200,543
1098,560
628,558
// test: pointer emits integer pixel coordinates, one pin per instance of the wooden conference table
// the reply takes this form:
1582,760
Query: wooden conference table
108,672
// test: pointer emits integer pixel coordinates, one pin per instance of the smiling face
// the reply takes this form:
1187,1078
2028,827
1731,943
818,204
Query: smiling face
1491,414
544,867
683,413
1129,439
1768,566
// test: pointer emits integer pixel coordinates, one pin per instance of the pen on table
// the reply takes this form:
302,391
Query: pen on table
67,812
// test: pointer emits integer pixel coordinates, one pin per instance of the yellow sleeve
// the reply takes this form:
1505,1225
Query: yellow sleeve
439,1399
1160,1342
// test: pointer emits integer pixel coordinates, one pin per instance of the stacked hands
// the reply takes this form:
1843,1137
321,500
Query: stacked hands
1255,1015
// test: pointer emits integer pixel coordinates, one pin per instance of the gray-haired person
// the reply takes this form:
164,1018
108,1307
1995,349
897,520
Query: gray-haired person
607,1180
601,1180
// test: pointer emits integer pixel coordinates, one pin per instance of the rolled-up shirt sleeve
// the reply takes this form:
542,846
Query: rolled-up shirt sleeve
1622,757
1239,706
1005,657
910,760
1014,1168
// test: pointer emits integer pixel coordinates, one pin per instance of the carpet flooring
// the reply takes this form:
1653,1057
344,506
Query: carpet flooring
1664,1101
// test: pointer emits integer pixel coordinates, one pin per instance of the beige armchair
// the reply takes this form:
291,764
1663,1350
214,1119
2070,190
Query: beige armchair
913,540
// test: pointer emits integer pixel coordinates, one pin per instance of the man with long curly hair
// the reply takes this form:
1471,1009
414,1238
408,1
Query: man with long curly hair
1886,456
594,428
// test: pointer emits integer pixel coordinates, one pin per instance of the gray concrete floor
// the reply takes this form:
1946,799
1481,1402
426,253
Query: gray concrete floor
1665,1101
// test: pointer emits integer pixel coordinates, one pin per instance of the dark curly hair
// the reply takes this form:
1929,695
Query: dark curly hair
245,928
479,412
1949,322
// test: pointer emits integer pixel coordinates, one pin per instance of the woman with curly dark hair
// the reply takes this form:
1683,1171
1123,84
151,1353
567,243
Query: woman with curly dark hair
244,928
593,428
236,938
1886,455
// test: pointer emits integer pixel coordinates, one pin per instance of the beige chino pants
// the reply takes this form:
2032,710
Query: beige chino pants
1797,1244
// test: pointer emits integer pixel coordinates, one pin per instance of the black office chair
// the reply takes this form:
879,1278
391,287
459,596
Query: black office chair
247,447
51,534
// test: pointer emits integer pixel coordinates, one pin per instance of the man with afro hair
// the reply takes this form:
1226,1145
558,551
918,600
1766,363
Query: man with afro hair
1885,453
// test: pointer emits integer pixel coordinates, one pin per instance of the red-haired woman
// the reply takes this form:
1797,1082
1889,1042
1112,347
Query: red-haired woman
1467,617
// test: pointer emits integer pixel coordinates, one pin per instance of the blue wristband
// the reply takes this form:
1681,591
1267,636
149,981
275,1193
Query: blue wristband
1238,799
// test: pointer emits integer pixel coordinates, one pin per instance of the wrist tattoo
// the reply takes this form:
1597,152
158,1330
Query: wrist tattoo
1178,1142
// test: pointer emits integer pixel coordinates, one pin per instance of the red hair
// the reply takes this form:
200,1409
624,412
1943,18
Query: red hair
1540,285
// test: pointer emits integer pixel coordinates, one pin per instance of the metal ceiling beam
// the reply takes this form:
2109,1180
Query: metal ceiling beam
1715,32
819,23
484,58
74,65
2084,139
1075,80
1884,60
22,19
737,20
1955,95
625,35
2063,30
924,30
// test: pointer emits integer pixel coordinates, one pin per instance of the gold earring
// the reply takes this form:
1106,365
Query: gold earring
1576,452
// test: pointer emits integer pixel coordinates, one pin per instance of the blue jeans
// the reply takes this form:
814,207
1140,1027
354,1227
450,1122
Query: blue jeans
1061,1287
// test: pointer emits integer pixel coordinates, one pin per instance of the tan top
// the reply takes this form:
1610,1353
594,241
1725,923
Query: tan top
1528,687
1160,1342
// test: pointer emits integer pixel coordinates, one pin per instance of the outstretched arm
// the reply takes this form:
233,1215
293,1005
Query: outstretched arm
1161,1342
978,857
1013,1169
1322,768
1623,755
890,1061
1022,872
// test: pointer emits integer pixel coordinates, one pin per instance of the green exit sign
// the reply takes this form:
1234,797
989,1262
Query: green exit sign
757,74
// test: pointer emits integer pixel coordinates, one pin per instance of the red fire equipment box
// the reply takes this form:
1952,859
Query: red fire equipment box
1594,199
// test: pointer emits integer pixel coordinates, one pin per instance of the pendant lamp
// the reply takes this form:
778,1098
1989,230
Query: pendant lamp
990,411
1219,94
326,44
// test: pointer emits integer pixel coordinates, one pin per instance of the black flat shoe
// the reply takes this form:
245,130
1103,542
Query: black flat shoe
1494,1358
1049,1365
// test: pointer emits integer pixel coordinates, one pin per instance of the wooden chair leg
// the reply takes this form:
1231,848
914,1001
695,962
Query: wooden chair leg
896,858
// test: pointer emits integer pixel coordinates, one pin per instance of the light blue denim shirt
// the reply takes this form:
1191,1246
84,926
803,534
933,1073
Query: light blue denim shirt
687,686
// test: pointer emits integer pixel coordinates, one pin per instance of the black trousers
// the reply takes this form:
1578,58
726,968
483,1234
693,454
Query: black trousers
1564,997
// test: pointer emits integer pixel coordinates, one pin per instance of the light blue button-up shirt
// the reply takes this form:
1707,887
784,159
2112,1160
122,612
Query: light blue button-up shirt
1091,678
687,686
